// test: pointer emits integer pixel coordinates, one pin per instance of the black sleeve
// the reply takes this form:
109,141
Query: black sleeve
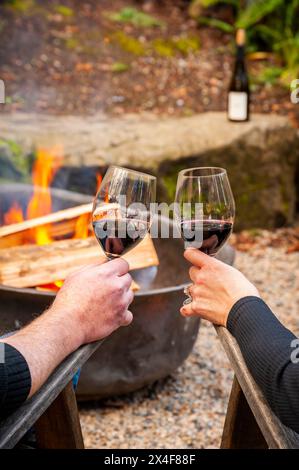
270,353
15,379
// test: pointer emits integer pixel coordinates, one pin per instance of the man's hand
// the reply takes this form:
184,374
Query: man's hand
216,287
95,299
92,303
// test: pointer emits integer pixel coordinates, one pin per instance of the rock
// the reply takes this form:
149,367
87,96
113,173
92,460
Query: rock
260,155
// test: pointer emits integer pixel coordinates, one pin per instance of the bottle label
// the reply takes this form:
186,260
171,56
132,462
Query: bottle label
237,105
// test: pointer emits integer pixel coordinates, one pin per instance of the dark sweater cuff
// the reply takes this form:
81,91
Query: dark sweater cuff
15,382
243,307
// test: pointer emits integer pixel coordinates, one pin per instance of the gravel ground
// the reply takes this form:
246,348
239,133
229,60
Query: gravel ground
187,409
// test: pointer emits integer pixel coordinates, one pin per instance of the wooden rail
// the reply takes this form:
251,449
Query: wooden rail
250,423
55,400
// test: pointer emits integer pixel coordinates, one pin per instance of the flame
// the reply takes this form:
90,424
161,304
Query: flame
44,169
54,286
14,214
81,227
99,180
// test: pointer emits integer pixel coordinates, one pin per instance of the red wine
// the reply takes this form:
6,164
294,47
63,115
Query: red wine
117,236
239,93
214,234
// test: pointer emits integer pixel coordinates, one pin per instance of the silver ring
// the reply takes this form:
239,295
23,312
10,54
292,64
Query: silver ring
189,296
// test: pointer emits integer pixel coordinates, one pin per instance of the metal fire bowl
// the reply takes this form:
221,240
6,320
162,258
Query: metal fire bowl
154,345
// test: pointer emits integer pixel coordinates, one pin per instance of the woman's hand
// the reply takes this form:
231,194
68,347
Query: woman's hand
216,287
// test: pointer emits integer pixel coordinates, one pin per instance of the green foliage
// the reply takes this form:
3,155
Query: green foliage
129,44
72,43
169,47
18,159
137,18
64,11
269,75
162,47
215,23
21,6
256,11
119,67
272,25
186,44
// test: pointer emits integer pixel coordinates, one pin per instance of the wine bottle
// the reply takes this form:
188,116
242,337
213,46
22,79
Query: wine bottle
238,93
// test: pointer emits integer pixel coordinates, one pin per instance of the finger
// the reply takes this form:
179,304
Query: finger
127,280
97,264
194,274
196,291
117,266
197,258
129,297
127,319
188,310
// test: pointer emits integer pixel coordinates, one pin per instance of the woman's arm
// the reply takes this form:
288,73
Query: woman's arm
268,348
222,295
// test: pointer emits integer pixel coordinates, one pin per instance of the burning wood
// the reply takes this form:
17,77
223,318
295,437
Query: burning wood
34,265
66,215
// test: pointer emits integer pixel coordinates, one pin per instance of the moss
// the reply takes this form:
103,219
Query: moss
169,172
188,44
65,11
22,6
169,47
119,67
72,43
160,46
128,43
285,198
170,186
133,16
18,158
163,47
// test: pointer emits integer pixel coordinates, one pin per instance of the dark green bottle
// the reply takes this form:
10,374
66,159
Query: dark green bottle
239,93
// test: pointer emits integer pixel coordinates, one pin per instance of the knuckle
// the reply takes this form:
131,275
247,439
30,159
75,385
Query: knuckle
130,297
127,280
123,264
191,271
197,278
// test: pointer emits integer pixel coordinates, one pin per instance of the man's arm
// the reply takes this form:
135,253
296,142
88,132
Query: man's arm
92,303
15,379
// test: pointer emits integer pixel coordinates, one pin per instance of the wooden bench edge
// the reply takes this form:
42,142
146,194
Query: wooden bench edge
275,433
13,428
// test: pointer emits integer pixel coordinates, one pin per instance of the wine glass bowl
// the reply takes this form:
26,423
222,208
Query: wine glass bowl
204,208
122,211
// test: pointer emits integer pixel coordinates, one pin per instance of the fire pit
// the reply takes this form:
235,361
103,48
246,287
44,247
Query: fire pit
154,345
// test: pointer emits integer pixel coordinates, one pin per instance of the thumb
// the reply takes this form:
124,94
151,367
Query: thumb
197,257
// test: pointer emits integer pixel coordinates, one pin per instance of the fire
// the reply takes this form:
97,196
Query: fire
14,214
46,165
81,227
99,180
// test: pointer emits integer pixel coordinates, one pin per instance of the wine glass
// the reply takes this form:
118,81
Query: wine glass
122,211
204,209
